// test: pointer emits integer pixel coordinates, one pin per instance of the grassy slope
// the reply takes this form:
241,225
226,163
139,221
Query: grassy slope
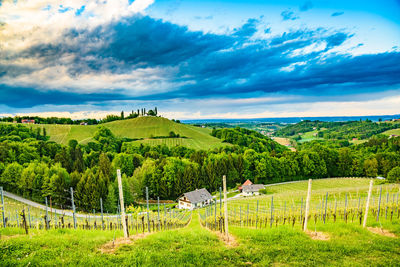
393,131
349,245
142,127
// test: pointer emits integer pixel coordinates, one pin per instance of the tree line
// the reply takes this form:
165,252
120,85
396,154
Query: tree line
56,120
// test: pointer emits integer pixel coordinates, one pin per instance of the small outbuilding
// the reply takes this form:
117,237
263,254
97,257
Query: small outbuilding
252,189
248,182
195,199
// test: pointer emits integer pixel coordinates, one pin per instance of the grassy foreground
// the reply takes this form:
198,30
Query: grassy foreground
349,245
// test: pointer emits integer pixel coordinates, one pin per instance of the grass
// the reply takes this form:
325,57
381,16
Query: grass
139,128
349,245
393,131
309,136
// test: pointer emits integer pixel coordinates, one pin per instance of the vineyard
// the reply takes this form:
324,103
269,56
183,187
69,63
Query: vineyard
263,230
338,202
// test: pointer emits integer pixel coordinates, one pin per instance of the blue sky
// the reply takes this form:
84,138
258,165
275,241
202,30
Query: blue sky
200,59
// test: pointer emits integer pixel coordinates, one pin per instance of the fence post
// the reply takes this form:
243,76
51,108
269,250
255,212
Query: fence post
47,216
247,218
367,205
226,209
326,204
301,210
158,212
272,211
240,211
215,212
257,215
101,210
379,205
147,202
220,201
73,206
307,205
29,217
121,201
3,207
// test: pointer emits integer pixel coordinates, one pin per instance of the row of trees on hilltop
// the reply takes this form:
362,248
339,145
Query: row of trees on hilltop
108,118
34,167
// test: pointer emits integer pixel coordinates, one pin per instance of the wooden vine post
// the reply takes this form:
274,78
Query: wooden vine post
226,209
3,207
307,205
121,200
367,205
25,224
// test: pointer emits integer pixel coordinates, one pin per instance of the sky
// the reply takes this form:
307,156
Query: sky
200,59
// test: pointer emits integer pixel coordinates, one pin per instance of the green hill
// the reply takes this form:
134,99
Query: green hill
146,128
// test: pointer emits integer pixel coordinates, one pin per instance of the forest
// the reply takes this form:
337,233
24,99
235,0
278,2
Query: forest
338,130
34,167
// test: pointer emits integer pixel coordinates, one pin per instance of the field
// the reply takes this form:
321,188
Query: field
393,131
348,244
140,128
284,141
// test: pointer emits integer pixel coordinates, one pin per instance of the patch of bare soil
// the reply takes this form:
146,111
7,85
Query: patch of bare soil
381,231
229,241
112,246
318,235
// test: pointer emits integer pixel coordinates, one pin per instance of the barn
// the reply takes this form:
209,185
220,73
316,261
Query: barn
195,199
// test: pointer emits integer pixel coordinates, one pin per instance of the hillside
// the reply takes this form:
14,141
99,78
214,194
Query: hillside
145,128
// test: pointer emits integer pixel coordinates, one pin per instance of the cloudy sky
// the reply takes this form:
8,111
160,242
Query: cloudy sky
200,59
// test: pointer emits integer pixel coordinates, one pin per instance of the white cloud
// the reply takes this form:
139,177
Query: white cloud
30,22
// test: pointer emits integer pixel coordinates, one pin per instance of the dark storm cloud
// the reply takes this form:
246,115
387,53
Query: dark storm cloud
23,97
205,65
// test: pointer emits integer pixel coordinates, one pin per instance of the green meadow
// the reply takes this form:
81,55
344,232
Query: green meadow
145,128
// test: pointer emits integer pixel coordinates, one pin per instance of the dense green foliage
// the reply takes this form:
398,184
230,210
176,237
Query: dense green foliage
248,138
338,130
36,168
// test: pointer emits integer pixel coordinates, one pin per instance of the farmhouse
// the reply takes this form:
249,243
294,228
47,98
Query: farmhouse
195,199
248,182
28,121
252,189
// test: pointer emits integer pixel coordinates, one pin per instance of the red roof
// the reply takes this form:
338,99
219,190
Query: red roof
248,182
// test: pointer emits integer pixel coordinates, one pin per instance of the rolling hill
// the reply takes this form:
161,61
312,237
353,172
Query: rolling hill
145,128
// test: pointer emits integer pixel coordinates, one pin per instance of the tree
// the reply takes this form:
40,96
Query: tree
371,167
11,176
72,143
111,201
394,175
122,115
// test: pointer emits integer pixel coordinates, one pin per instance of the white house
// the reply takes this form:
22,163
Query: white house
195,199
252,189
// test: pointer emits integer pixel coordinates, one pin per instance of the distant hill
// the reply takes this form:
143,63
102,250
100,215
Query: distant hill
146,128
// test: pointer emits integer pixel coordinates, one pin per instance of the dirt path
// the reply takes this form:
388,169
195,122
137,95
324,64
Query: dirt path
229,241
